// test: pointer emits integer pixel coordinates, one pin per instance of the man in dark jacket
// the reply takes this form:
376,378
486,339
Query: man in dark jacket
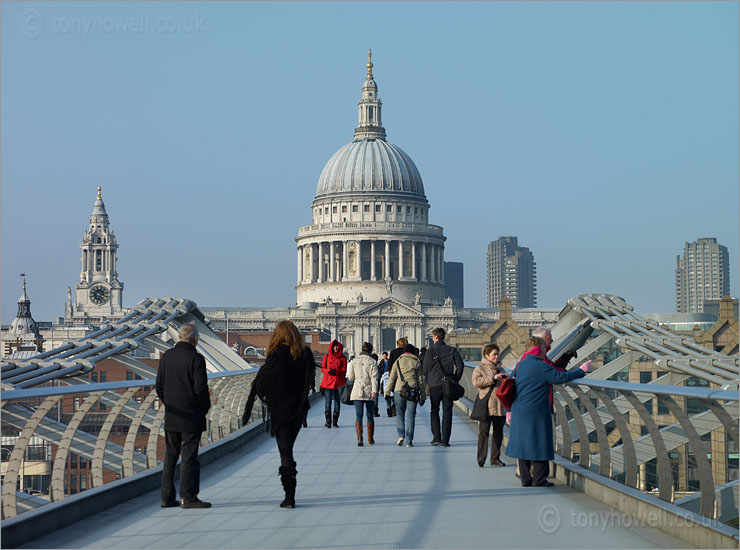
182,387
441,360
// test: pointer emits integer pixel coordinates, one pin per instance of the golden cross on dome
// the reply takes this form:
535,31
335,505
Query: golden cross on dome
369,64
99,194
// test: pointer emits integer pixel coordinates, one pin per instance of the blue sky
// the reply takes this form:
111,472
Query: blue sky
603,135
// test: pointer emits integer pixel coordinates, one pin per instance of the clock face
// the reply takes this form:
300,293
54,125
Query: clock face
99,294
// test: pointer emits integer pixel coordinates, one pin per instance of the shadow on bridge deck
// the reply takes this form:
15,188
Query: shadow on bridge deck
380,496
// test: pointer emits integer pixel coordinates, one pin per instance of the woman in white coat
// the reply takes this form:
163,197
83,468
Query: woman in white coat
363,372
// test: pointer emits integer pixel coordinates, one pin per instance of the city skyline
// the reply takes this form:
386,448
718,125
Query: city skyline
604,136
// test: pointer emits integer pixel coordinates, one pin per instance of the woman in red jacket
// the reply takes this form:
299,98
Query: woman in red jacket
334,369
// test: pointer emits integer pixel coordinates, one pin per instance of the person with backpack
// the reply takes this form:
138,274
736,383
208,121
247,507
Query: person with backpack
334,369
441,361
406,370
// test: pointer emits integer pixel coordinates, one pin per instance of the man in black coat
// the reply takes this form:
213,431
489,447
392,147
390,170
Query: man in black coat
441,360
182,387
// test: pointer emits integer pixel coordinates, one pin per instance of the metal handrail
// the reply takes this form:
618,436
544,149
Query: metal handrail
585,406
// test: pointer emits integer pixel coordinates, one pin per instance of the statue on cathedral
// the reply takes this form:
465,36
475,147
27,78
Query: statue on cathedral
359,298
448,301
417,299
389,285
329,301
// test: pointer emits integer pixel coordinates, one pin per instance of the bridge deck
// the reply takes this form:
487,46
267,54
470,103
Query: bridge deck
382,496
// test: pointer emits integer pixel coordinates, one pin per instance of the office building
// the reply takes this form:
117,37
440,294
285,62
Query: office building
702,274
511,272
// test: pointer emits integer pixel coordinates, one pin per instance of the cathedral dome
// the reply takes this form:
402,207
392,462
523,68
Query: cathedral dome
370,165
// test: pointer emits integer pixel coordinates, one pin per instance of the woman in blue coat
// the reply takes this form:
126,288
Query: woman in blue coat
531,437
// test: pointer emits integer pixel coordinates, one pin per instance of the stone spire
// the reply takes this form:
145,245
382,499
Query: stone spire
370,124
24,304
23,326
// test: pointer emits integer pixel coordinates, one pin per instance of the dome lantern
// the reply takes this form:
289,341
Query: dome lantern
370,124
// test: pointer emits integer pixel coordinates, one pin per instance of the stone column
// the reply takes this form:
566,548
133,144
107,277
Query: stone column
442,263
400,260
387,258
321,262
344,260
332,267
414,275
432,264
372,261
300,264
424,262
311,273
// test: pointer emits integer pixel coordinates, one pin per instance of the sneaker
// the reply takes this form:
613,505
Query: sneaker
445,444
197,503
400,441
170,503
409,444
435,442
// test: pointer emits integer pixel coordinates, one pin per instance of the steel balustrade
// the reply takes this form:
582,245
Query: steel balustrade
224,419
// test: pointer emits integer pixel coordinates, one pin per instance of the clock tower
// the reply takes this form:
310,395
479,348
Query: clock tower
99,294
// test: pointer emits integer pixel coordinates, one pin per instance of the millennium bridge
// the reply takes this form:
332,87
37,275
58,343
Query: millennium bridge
616,471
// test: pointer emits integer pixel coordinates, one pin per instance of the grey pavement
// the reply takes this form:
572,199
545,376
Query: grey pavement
379,496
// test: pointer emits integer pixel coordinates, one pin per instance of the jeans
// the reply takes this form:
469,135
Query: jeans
366,405
185,444
437,397
405,418
328,395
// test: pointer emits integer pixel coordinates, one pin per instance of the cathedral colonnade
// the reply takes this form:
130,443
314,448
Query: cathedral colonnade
370,260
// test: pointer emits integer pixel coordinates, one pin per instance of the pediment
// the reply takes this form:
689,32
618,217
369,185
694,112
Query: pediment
390,307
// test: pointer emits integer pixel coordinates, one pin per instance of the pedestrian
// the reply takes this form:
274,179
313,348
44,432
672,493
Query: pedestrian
441,360
382,364
283,383
531,434
334,368
487,377
363,372
182,387
406,369
395,354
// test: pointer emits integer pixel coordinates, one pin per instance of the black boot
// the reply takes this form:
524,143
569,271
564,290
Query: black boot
288,479
327,414
336,418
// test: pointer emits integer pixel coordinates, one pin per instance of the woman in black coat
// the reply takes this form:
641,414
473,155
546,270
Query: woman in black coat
283,384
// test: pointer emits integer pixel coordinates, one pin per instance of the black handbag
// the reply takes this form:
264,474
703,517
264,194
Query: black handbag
407,392
345,393
480,407
451,388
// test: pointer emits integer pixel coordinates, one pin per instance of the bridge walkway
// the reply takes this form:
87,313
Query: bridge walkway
380,496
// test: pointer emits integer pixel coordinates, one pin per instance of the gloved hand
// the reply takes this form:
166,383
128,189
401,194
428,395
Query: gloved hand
586,367
570,354
421,403
333,372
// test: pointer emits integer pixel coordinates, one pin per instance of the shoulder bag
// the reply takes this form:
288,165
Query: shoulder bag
345,393
407,392
480,408
506,392
450,386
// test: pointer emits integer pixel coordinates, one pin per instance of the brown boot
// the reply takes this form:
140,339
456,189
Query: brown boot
370,433
358,429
